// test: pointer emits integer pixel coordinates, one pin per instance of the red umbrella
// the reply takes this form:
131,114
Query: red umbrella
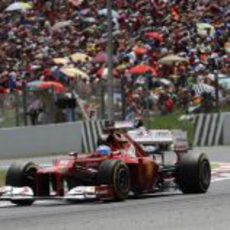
139,50
154,36
101,57
3,91
142,69
56,86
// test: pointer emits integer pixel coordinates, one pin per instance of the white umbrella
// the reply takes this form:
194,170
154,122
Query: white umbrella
21,6
165,81
227,47
88,19
80,57
104,12
61,24
203,28
73,72
61,61
76,2
172,59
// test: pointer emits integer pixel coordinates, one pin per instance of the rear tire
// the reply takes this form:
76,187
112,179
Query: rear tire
116,174
22,174
193,173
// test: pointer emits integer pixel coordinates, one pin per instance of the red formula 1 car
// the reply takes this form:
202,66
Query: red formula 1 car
124,163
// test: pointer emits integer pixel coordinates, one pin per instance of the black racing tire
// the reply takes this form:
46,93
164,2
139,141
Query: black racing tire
22,174
116,174
193,173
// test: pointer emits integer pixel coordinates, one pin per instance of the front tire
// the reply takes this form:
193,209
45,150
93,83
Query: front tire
22,174
193,173
116,174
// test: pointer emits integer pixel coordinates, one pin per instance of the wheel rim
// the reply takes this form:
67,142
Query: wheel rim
122,180
30,173
29,177
205,174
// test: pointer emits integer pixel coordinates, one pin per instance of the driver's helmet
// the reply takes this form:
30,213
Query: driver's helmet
120,138
104,150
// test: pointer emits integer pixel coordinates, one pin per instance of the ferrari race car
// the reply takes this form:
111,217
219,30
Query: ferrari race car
125,163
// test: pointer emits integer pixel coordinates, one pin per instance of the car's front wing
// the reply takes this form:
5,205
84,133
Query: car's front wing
16,193
102,192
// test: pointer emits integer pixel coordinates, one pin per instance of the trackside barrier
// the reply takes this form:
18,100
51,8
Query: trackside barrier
209,129
91,131
40,140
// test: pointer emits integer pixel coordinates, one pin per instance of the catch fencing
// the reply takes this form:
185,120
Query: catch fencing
83,101
11,110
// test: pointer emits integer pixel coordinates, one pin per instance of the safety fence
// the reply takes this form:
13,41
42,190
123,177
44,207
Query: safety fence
44,106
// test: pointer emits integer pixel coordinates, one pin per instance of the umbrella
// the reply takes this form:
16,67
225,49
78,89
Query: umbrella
227,47
76,2
102,57
56,86
88,19
73,72
203,28
172,59
142,69
62,61
34,83
61,24
140,50
21,6
85,11
154,36
104,12
165,81
80,57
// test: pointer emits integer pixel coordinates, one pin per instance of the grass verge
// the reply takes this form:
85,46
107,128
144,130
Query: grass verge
2,177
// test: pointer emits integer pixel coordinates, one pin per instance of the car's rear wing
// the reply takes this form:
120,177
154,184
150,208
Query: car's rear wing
118,125
177,139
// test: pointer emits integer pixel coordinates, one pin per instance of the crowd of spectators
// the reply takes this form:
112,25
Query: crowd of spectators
144,32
